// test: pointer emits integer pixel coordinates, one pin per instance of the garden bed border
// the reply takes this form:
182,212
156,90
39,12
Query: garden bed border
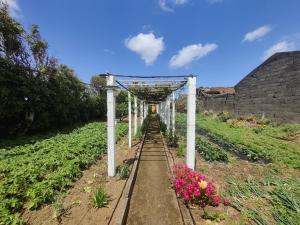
186,214
119,216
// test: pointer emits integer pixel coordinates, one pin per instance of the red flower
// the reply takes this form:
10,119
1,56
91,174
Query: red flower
186,184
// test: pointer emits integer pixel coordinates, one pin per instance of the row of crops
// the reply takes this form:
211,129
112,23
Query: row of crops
263,143
33,174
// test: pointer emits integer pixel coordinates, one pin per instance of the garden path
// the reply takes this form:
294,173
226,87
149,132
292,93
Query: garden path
153,202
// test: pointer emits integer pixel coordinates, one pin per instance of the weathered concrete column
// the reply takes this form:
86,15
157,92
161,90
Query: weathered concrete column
173,114
157,108
135,115
191,123
129,119
111,135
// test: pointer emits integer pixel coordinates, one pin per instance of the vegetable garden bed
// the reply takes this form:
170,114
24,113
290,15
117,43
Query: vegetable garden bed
33,174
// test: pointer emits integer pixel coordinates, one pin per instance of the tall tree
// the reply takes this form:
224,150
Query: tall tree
11,38
98,83
38,48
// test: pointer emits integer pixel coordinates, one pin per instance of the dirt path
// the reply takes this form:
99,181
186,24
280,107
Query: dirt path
153,201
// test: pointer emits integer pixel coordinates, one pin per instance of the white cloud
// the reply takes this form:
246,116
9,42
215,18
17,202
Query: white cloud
13,6
258,33
191,53
146,45
167,5
282,46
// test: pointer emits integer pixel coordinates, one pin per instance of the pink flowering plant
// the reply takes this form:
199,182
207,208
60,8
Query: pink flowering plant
195,188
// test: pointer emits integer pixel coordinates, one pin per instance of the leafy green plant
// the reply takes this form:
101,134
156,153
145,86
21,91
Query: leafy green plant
100,198
210,152
123,171
180,151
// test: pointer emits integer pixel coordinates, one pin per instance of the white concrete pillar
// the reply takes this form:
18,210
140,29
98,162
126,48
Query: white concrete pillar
111,135
191,123
135,115
157,108
168,113
129,119
141,112
145,110
162,112
165,112
173,114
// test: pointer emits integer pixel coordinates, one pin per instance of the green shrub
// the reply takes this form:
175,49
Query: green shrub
163,127
145,125
123,171
139,134
100,198
172,140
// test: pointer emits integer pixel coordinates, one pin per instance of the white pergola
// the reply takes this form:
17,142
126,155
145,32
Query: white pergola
150,90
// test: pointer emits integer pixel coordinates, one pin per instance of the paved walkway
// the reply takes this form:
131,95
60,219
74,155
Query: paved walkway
153,202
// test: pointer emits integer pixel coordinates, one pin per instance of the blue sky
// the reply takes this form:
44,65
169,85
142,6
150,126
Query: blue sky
221,41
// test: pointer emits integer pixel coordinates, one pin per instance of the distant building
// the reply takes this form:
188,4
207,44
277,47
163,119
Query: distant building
272,89
216,99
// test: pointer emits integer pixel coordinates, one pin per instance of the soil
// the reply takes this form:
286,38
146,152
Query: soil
77,208
153,202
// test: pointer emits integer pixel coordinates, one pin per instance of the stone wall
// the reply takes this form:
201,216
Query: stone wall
272,89
217,103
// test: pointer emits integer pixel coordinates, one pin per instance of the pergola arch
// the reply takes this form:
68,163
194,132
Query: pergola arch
157,90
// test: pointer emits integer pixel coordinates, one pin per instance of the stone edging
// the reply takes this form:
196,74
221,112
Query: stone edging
119,217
